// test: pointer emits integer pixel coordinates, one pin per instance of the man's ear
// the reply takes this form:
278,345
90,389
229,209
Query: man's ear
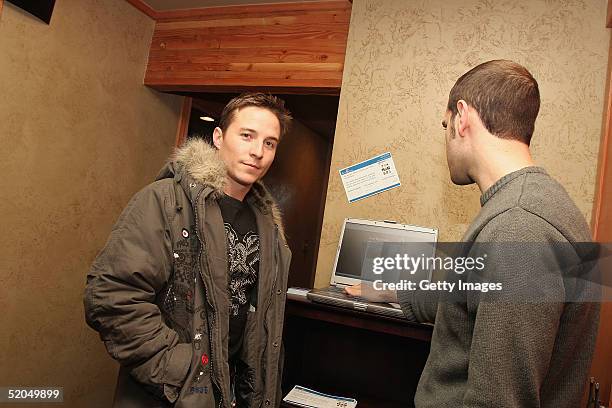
217,137
463,116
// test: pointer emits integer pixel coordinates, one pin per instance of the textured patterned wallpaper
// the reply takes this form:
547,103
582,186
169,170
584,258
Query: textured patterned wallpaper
402,59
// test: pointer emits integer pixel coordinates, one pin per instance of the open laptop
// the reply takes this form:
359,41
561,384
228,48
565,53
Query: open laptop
362,244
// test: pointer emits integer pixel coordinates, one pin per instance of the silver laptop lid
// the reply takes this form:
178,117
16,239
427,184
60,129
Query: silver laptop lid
363,240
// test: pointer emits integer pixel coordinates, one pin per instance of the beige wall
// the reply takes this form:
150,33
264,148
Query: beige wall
79,134
402,59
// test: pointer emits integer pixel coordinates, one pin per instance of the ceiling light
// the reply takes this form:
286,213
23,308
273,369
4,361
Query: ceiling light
207,119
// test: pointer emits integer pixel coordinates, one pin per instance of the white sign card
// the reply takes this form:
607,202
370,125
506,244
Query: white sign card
369,177
307,398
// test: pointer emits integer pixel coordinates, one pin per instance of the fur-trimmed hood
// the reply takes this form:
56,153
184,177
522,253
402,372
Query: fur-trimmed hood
201,162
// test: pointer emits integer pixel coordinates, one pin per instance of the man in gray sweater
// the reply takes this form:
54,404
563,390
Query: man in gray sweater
502,350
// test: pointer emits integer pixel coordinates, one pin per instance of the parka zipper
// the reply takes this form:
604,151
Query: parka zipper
275,246
214,314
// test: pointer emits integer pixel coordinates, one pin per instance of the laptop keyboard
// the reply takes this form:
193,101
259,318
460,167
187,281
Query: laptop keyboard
340,293
335,295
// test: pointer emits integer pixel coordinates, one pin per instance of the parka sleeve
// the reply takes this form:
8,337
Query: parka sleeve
120,295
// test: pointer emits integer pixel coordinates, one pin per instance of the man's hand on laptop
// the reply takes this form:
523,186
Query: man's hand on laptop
366,291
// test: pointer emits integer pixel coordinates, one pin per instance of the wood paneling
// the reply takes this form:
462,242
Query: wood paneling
291,47
602,232
1,3
261,10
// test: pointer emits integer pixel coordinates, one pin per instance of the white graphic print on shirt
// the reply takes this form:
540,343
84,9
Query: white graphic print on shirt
242,259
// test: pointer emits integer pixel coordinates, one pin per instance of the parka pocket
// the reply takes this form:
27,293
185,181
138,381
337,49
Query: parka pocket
198,389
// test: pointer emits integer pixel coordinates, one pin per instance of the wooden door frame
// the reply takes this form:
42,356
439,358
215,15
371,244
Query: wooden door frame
604,165
183,123
601,225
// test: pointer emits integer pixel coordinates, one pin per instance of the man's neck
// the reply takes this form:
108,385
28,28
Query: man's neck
235,190
495,160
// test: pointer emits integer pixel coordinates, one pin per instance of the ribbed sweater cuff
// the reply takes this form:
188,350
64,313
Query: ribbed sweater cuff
405,298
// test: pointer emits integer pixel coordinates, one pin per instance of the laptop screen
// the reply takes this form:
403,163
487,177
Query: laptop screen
363,241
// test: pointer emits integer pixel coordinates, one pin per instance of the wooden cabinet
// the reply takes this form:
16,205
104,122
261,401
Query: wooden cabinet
375,359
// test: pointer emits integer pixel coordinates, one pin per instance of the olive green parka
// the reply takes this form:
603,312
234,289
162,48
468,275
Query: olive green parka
158,293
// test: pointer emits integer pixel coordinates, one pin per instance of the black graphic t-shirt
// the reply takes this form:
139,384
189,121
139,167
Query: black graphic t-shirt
242,263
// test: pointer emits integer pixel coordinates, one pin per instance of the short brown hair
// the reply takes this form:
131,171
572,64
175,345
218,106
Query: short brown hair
505,95
266,101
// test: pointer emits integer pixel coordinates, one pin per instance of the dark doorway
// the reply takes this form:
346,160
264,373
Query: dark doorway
300,172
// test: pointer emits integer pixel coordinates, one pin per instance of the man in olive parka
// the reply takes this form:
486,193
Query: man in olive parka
188,294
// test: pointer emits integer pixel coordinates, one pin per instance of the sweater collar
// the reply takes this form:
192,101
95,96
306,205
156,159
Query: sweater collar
499,184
